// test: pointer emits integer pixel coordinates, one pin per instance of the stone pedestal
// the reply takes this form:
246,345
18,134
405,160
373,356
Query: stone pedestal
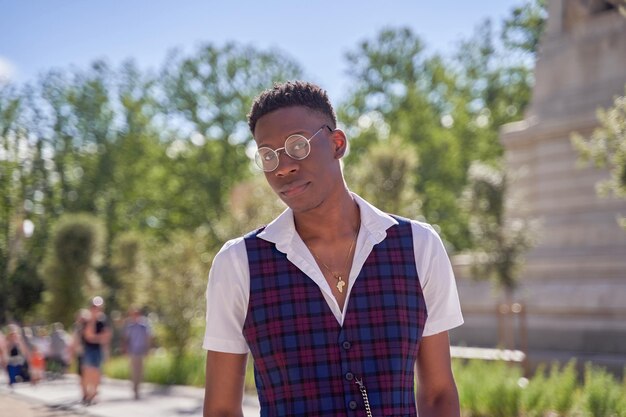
574,282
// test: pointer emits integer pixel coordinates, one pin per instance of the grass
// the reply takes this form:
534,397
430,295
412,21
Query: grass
162,368
496,389
486,389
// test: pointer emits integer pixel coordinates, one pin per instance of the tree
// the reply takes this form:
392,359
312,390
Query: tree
179,271
131,272
500,240
252,204
142,152
209,95
69,267
400,91
22,237
9,191
450,111
385,177
523,28
606,148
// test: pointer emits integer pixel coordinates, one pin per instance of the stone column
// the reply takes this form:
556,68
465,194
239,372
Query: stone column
574,282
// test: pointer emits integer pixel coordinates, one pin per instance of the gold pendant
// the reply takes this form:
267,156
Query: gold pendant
340,284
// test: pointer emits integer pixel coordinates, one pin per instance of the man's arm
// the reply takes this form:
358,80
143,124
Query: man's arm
437,395
223,389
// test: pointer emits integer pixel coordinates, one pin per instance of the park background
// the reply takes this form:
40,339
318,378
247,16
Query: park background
123,178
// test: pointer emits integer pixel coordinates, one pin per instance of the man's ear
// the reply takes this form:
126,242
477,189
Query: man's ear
340,143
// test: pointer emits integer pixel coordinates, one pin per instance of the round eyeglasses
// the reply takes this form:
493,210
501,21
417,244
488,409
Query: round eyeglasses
296,147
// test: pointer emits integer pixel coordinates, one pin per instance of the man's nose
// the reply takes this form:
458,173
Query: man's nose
286,165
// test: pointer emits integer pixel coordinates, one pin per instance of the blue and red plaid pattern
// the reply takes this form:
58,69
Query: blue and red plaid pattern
306,363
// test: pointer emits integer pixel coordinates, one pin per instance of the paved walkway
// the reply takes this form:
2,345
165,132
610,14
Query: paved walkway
62,398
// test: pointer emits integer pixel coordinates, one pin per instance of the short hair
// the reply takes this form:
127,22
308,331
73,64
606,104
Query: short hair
290,94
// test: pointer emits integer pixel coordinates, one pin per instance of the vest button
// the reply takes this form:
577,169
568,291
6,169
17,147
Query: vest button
352,405
349,376
346,345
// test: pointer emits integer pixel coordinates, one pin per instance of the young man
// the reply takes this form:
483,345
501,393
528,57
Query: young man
335,300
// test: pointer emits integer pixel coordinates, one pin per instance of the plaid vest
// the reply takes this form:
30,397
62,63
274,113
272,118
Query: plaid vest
305,363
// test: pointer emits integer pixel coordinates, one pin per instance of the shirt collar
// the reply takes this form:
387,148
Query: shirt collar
282,230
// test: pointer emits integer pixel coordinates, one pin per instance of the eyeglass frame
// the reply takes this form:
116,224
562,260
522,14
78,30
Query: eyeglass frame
284,148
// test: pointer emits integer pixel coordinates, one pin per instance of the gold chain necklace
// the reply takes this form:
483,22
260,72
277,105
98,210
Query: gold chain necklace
340,282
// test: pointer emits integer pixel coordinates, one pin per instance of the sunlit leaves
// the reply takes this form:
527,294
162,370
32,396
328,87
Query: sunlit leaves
606,148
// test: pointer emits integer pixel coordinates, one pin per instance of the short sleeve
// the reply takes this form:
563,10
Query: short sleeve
437,280
227,299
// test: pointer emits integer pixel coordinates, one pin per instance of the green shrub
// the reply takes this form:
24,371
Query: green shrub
487,388
561,388
534,399
162,368
117,367
602,396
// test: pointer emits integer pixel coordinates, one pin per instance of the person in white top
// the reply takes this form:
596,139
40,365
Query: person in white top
327,232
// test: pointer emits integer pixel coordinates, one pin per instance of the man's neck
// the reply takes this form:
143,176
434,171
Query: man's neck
337,218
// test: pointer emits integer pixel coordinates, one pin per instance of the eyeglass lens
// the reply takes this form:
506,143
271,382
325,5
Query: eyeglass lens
296,146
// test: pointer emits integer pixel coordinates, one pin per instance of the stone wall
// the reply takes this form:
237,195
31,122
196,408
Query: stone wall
574,282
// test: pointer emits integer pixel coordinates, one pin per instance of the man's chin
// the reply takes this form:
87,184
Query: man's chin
301,206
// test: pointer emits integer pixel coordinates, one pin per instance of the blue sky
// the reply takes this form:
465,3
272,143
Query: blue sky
37,35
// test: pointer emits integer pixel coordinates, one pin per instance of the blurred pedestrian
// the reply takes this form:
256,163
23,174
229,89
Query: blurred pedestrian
77,348
28,336
97,336
137,341
3,351
41,340
37,365
17,356
58,355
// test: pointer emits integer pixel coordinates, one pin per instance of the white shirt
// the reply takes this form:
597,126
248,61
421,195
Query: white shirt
229,279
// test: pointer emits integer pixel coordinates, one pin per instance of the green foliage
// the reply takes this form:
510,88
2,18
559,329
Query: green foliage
21,249
385,177
129,266
497,389
607,148
561,387
502,240
448,112
162,368
488,388
252,204
210,94
69,267
534,401
142,152
179,272
400,92
163,156
601,396
523,29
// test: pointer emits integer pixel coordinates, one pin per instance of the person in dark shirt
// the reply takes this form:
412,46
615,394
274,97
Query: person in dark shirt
96,337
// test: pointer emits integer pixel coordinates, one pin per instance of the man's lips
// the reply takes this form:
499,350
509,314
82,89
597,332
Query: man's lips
292,189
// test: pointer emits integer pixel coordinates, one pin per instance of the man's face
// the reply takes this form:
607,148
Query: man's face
302,184
95,311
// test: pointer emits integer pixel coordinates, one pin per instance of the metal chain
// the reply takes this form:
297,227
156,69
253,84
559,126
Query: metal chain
366,400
